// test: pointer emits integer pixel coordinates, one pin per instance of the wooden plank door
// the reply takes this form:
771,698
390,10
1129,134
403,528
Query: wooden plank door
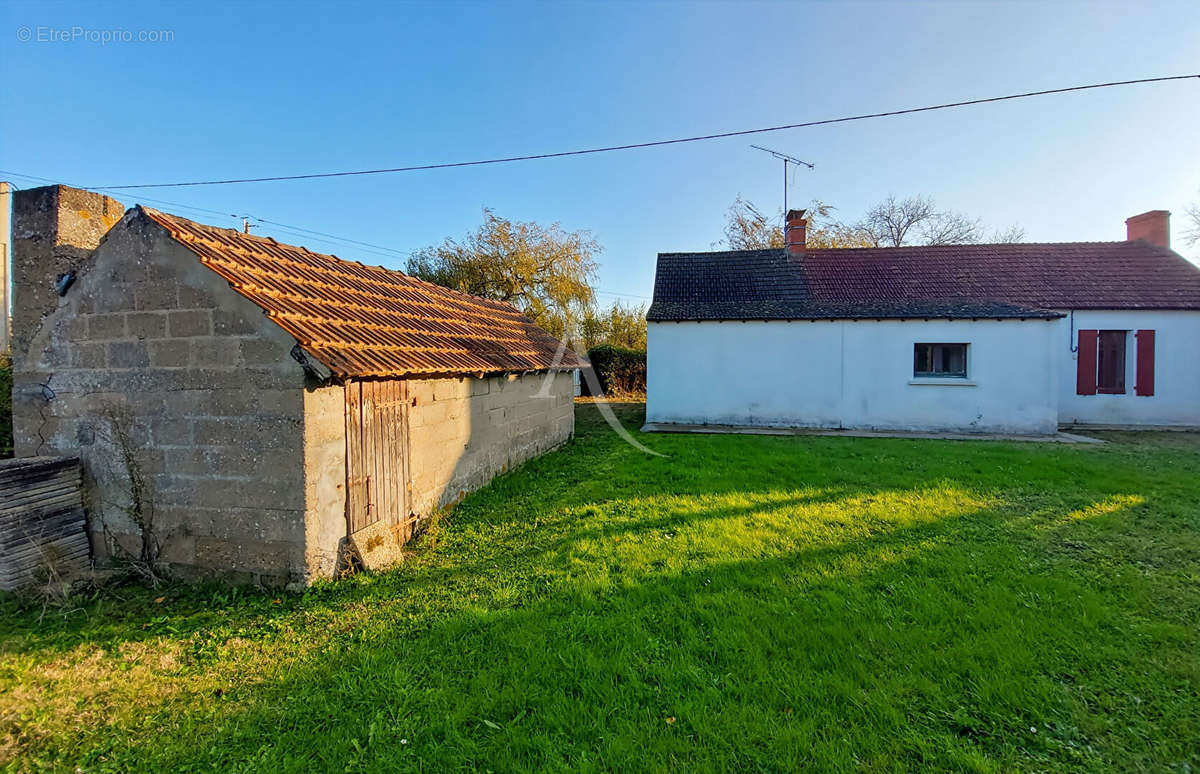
358,511
378,492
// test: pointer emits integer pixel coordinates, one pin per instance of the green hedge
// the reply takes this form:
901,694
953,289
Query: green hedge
621,372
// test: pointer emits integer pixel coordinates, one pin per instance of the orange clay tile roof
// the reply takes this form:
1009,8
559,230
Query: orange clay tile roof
367,321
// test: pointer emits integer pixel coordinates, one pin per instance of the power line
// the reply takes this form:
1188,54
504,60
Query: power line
621,295
294,229
400,253
389,252
656,143
102,190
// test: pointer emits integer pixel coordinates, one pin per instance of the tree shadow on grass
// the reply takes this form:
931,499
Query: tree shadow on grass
918,646
536,660
569,536
576,494
195,609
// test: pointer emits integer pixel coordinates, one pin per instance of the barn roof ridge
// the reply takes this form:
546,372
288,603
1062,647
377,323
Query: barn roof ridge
350,310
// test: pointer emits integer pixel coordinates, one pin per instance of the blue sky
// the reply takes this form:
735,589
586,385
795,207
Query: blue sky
261,89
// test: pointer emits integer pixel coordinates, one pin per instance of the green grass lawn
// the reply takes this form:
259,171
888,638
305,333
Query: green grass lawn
744,603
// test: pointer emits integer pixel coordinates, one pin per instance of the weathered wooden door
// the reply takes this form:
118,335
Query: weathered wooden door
378,488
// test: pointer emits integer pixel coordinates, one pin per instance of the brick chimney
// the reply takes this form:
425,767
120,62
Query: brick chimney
1153,226
54,231
795,232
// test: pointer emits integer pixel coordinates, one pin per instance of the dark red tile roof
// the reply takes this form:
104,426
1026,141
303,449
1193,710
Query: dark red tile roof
1008,280
367,321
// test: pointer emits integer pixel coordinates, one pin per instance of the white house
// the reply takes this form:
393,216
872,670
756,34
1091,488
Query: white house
1002,338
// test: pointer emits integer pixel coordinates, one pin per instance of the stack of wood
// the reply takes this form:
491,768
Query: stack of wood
43,535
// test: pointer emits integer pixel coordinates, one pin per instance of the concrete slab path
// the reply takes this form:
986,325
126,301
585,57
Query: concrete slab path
1060,437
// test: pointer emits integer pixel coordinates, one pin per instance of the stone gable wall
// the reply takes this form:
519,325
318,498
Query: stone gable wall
184,404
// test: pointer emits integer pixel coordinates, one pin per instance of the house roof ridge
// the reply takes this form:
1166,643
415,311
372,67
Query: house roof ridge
914,248
770,284
748,252
970,246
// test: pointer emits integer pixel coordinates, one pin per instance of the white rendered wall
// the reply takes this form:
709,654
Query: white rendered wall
1176,398
852,374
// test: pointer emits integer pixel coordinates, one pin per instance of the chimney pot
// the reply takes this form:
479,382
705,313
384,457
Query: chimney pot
795,232
1153,226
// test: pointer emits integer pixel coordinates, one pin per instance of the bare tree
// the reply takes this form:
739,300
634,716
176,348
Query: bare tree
892,220
950,228
917,220
1192,213
891,223
1008,236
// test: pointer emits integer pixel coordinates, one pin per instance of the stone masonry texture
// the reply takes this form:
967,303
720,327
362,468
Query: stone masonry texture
54,229
128,371
465,431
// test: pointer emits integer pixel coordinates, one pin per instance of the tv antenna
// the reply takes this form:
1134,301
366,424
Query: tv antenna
786,159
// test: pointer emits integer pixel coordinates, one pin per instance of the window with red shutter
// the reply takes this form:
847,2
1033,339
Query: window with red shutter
1085,367
1145,363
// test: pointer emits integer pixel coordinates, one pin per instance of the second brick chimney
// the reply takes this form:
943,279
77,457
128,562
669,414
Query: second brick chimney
795,232
54,230
1153,226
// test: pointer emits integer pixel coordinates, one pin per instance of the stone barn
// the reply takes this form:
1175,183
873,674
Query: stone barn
255,411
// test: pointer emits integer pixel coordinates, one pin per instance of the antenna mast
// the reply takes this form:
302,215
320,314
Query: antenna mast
786,159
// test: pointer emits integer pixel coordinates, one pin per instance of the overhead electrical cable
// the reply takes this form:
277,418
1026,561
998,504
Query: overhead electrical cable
652,144
332,239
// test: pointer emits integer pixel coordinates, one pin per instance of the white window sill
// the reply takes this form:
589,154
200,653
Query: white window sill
933,381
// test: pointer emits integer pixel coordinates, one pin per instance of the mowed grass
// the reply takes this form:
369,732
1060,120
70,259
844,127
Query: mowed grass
742,604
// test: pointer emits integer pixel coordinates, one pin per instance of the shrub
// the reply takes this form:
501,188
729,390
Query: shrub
621,372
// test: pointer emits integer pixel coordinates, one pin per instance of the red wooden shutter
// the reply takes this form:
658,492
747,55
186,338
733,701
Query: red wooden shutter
1145,363
1085,374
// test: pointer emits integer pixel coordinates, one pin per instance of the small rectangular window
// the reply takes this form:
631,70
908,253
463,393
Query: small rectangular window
940,360
1110,363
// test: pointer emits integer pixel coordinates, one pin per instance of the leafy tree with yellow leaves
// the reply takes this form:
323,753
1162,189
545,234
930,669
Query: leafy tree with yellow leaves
544,271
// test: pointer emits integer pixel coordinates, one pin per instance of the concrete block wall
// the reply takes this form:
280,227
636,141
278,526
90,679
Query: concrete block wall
182,400
54,230
324,480
465,431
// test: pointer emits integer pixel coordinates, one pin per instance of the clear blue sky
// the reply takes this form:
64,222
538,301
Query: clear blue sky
252,89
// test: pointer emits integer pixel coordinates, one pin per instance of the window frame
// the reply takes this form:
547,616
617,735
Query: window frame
1104,340
933,345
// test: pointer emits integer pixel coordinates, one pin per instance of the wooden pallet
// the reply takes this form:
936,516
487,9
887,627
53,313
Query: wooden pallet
42,525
